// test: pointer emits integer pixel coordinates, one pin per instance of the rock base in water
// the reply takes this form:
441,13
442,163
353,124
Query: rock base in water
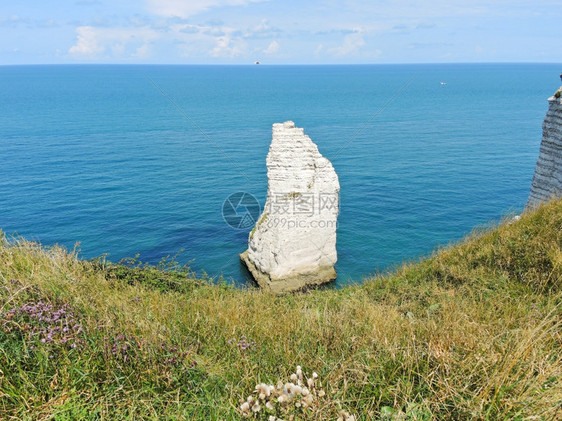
292,283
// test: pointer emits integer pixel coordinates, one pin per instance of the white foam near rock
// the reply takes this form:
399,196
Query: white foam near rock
547,180
293,244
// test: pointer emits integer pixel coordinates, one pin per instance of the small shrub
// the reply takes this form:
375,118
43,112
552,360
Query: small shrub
41,322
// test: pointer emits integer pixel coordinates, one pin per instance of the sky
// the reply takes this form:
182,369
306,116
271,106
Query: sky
279,31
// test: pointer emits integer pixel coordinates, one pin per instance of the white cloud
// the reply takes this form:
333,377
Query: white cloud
118,49
351,44
262,30
86,43
226,47
186,8
95,42
143,51
272,48
219,41
319,49
263,26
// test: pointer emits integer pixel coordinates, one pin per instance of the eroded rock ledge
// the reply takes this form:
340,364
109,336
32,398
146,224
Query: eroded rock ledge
293,244
547,180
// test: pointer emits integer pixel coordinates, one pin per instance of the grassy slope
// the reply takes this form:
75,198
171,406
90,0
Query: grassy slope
474,332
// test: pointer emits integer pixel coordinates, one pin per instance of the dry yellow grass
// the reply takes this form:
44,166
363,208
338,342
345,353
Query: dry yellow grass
474,332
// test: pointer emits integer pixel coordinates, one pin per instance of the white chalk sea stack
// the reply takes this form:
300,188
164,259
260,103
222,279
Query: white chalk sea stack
293,244
547,180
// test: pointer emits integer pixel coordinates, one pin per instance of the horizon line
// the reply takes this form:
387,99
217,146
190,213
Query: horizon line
280,64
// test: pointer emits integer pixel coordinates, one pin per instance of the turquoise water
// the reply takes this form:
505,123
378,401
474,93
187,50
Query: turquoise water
97,155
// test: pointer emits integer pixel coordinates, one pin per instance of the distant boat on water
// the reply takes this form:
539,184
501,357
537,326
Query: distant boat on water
443,83
257,62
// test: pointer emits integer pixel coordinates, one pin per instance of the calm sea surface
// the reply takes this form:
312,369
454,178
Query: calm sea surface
98,155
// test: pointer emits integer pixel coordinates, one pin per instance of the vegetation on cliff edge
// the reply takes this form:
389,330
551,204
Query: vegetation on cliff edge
473,332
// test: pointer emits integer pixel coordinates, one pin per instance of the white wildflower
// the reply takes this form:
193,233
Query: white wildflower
344,416
263,389
304,391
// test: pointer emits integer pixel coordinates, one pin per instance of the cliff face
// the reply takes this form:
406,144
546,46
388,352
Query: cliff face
547,180
293,244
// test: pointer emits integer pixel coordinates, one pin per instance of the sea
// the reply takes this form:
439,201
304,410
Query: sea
138,160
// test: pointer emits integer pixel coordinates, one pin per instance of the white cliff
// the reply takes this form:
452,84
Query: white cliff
547,180
293,244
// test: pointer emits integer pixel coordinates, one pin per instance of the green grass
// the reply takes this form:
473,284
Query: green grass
473,332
